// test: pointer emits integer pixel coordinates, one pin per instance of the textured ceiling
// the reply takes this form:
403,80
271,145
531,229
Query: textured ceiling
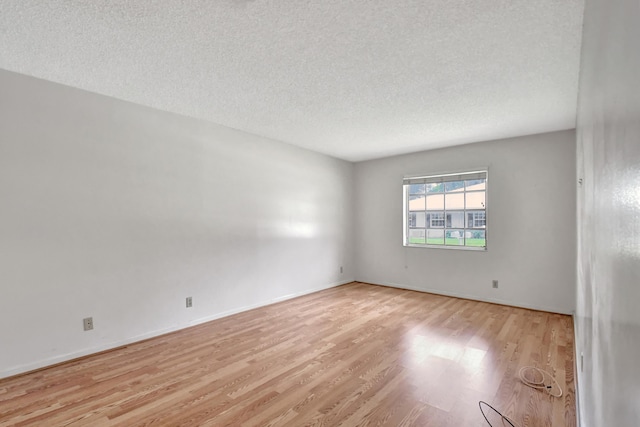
352,79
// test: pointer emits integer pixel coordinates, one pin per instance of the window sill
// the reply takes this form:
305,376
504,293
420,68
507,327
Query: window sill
460,248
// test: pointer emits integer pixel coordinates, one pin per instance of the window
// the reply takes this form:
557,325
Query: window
446,210
478,219
437,220
413,220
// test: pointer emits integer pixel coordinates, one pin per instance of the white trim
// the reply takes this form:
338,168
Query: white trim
466,296
577,373
405,223
20,369
446,177
460,247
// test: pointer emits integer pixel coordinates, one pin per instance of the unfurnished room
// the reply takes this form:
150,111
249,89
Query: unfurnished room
320,213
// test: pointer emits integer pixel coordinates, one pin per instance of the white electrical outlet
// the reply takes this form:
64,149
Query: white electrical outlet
189,302
87,323
495,284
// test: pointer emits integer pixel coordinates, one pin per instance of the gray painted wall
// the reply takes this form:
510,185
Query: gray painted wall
117,211
608,159
531,224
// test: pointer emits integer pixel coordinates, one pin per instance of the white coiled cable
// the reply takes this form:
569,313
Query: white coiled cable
543,380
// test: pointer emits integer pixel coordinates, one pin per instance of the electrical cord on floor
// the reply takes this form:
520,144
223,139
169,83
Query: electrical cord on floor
506,421
543,380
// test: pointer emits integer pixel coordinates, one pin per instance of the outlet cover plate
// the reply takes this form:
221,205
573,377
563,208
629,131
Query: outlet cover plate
87,323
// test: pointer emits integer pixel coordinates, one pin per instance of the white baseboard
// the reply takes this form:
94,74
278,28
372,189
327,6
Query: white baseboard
466,296
576,366
16,370
265,303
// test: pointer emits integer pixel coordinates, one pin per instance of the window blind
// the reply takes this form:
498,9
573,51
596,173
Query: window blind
434,179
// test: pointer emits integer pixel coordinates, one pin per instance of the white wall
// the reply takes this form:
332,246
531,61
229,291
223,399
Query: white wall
608,151
117,211
531,224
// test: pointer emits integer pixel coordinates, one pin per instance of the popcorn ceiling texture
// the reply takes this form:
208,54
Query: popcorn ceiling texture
356,80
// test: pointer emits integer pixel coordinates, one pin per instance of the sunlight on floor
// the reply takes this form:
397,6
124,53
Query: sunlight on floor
422,346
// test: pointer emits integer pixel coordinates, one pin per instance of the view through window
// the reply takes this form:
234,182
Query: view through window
446,210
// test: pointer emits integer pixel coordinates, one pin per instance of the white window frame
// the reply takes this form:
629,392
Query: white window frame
477,219
476,225
438,216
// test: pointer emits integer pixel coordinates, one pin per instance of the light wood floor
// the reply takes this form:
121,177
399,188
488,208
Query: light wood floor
354,355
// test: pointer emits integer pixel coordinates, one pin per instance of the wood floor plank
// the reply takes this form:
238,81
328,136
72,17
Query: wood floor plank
353,355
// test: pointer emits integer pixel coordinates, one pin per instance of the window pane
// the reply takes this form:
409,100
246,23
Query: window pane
435,237
416,236
476,219
476,184
435,202
454,201
435,188
417,219
416,189
416,203
476,200
475,238
454,237
455,219
454,185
